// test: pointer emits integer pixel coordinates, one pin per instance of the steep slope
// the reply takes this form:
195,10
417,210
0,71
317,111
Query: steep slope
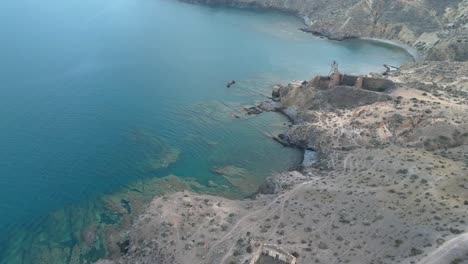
437,29
392,182
392,185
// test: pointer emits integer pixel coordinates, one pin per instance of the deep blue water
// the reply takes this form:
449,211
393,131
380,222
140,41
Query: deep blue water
95,92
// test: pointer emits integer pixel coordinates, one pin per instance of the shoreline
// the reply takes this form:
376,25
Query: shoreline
385,177
388,184
414,53
291,183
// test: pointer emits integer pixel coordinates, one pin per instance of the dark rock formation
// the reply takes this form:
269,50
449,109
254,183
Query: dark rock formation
329,35
326,93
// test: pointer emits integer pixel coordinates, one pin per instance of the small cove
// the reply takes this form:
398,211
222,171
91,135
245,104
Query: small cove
101,96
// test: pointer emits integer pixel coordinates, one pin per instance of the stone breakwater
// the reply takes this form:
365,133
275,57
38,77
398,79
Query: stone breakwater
437,29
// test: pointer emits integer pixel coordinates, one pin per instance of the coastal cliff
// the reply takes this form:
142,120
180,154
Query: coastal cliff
391,183
437,29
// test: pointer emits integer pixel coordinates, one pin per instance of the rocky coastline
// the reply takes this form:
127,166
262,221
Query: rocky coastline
437,29
391,181
328,35
390,187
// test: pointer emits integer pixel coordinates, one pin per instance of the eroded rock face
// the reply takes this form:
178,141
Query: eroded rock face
436,28
424,115
392,185
340,97
452,47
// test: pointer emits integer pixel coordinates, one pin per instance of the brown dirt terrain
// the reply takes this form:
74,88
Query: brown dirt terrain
391,186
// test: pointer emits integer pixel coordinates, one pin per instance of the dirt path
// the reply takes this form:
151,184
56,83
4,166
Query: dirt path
450,251
285,197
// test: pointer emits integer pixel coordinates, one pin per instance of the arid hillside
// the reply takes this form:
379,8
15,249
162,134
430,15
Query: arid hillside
438,29
391,185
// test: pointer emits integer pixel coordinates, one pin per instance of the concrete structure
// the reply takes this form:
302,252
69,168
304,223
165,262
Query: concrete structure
374,84
361,82
272,254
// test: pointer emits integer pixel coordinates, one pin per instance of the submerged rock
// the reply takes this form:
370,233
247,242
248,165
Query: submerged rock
89,236
253,110
239,177
167,158
270,106
283,140
378,195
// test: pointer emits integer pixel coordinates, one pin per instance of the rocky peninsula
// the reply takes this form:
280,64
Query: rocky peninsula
391,181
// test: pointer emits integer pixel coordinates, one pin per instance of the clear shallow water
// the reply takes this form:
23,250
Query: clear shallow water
98,94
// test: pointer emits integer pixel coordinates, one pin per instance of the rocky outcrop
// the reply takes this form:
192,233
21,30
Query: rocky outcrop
391,185
416,114
342,97
436,28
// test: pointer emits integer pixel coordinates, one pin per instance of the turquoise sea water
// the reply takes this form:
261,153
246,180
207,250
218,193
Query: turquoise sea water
99,94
